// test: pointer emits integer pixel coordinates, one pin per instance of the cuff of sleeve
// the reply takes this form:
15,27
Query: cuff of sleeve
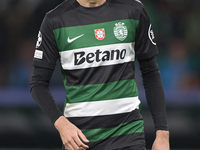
56,116
166,128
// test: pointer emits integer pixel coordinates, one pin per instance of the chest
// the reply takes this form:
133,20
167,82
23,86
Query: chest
98,34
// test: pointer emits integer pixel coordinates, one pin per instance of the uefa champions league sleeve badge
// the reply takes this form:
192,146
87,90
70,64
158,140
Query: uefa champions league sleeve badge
39,41
151,35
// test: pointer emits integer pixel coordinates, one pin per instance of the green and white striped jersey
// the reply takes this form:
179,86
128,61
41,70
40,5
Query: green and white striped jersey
97,48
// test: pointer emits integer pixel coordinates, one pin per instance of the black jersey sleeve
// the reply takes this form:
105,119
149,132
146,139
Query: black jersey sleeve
46,53
45,57
154,92
39,88
145,45
146,51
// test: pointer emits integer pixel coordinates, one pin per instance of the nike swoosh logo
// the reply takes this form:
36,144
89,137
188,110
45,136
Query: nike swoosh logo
72,40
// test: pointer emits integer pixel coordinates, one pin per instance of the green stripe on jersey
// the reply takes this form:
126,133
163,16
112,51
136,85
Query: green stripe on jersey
99,92
85,35
94,135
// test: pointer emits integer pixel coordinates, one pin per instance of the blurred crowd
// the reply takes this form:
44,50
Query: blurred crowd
176,24
20,21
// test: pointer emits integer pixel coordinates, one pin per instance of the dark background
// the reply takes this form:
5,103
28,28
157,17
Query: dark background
23,125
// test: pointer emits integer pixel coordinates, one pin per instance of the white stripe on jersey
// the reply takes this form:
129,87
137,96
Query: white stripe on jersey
97,56
99,108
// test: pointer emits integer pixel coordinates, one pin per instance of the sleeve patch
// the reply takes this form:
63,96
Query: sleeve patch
151,35
39,41
38,54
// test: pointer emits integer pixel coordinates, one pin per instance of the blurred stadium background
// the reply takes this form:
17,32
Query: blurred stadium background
176,25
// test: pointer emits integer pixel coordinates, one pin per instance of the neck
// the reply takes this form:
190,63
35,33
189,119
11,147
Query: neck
91,3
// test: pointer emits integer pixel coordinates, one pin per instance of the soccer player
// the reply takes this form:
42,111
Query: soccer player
97,43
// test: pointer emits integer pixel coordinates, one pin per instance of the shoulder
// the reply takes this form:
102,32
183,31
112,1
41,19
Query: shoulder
134,7
132,3
62,8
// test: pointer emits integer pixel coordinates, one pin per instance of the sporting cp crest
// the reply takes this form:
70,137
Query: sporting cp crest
99,34
120,31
